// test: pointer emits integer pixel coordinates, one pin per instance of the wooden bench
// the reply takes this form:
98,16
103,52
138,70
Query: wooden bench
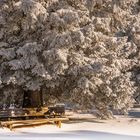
32,122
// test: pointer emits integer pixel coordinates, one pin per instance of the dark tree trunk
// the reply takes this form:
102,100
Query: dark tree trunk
32,99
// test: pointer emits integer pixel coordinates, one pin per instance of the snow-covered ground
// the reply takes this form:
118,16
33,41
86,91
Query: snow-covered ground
88,128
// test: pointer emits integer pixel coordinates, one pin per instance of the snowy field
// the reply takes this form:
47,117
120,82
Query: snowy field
89,128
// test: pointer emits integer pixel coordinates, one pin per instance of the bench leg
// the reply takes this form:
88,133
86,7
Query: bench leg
59,124
10,126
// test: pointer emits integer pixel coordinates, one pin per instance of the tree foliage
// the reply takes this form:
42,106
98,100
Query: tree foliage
80,51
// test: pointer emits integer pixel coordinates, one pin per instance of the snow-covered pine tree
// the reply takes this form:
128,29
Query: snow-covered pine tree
80,51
